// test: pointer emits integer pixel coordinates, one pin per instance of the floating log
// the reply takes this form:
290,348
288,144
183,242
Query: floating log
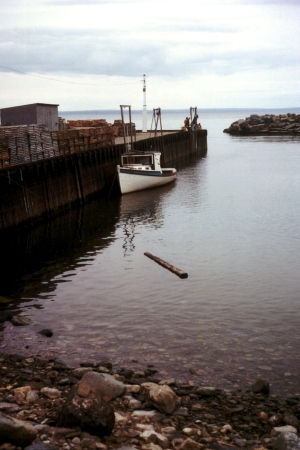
161,262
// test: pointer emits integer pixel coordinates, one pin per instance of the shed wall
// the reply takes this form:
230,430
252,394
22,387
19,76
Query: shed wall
19,115
40,114
47,115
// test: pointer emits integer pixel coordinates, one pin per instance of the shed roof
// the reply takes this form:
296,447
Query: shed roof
31,104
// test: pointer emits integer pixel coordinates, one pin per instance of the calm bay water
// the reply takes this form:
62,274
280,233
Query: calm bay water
231,220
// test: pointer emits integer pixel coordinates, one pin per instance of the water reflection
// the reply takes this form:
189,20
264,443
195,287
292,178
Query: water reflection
38,259
276,138
229,220
141,209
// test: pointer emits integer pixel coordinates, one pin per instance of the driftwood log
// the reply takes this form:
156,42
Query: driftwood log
161,262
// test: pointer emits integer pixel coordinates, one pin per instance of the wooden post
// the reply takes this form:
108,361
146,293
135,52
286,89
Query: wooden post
168,266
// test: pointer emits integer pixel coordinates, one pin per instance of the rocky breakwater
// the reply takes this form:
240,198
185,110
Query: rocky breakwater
268,124
47,405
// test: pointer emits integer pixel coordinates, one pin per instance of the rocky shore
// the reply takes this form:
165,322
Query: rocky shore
46,405
268,124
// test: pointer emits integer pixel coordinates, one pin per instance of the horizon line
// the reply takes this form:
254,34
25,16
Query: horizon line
185,109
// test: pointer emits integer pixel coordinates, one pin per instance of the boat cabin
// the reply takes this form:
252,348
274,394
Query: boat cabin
147,161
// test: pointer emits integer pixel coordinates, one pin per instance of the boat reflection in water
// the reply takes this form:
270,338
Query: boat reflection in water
38,259
141,209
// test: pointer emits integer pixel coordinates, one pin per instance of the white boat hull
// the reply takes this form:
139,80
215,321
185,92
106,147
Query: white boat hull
132,180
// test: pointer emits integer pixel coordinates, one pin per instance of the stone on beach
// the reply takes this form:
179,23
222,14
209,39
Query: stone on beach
40,445
80,371
103,384
190,444
90,412
292,420
46,332
133,388
9,407
261,386
284,429
78,417
287,441
162,397
126,447
151,446
208,391
16,431
21,393
51,393
20,321
148,415
151,436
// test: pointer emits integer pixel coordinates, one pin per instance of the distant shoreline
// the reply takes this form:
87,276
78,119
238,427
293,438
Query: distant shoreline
284,109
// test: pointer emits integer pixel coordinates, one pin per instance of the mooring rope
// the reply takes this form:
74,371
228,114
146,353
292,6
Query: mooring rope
23,187
112,183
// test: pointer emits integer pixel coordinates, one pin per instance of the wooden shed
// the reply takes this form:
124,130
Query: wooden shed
35,113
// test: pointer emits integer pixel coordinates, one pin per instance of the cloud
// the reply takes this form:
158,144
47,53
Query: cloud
118,40
273,2
62,3
75,52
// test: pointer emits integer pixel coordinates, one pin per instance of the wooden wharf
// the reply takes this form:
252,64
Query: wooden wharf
35,190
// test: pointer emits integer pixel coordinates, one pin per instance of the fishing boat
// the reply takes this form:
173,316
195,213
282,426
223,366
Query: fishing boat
141,170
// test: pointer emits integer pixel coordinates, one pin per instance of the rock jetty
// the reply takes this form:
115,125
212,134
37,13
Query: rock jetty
268,124
48,405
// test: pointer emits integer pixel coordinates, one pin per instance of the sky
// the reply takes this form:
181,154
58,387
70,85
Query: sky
92,54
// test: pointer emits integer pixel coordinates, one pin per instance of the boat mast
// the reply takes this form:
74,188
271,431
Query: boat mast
144,126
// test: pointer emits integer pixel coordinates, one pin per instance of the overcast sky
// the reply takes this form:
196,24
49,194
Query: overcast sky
92,54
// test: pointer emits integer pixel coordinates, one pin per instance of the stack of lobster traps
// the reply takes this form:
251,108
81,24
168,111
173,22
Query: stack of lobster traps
25,143
78,139
21,144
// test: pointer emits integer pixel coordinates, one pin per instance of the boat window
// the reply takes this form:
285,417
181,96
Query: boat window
139,159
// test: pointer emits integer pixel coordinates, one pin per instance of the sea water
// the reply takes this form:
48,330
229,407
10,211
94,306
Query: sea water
230,220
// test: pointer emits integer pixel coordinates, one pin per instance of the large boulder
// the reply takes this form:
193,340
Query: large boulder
88,410
162,397
287,441
17,432
103,384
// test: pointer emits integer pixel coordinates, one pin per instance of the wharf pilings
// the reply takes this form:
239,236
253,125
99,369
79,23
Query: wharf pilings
39,189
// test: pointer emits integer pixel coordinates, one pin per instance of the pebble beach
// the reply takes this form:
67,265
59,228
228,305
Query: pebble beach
145,412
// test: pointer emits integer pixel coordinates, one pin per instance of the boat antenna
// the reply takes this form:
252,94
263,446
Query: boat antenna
144,126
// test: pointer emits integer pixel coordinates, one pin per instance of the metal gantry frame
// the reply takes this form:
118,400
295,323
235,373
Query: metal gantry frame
193,114
194,125
156,120
128,146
